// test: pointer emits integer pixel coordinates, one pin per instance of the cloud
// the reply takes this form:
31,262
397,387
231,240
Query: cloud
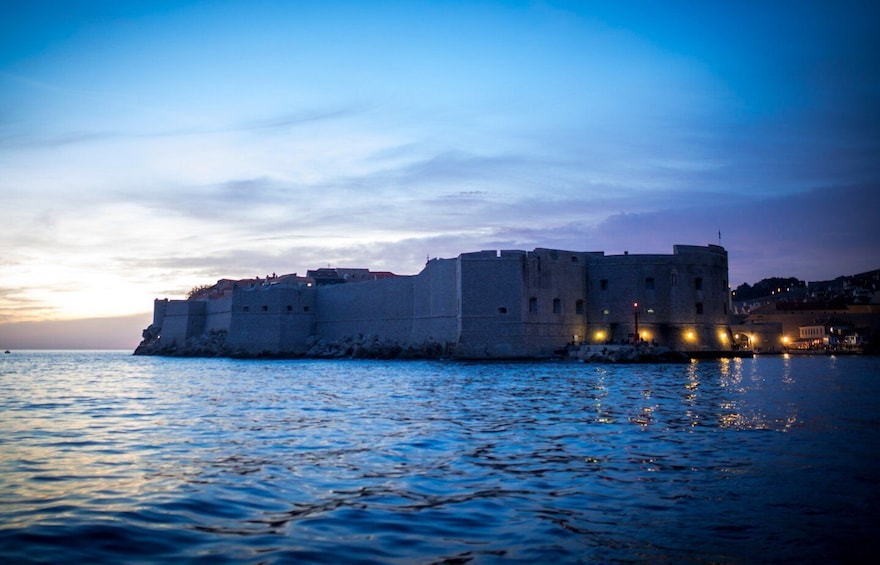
817,235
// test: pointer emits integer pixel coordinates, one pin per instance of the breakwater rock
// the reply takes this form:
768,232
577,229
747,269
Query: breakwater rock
213,344
208,344
641,353
374,347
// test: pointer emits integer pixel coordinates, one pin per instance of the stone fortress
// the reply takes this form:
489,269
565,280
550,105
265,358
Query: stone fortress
481,305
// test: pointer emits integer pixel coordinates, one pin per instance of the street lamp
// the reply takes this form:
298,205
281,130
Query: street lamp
636,323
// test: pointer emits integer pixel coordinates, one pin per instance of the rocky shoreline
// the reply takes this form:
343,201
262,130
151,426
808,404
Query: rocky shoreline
213,344
641,353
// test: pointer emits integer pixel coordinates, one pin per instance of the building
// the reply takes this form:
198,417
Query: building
835,325
486,304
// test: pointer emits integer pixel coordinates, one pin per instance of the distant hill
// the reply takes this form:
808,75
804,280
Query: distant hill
852,288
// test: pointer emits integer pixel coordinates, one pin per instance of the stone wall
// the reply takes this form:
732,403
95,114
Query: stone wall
271,320
555,299
682,299
183,319
435,303
490,290
381,307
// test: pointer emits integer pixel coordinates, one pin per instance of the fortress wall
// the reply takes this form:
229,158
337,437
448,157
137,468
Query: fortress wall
435,303
383,308
271,320
488,303
297,319
616,283
183,319
490,290
670,290
159,309
705,267
554,301
218,313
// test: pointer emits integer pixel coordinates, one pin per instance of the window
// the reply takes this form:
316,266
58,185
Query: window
574,259
725,308
579,307
674,279
305,308
699,307
603,284
265,308
289,308
557,306
245,309
533,305
698,283
649,283
502,309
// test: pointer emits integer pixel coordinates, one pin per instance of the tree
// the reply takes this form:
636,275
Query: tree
198,291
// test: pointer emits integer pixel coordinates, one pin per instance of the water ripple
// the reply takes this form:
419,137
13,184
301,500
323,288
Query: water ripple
106,458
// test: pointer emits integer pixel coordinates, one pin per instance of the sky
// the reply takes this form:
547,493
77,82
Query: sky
147,147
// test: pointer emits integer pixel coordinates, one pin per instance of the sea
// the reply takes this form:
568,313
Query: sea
110,458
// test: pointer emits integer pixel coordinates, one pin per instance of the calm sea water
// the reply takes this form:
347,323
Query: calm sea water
106,457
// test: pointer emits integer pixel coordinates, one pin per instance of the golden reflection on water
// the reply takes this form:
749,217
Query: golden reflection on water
742,380
732,374
786,369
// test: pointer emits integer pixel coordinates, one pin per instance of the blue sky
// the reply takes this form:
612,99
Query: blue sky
147,147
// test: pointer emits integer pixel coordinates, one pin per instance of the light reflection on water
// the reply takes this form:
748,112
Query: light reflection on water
106,457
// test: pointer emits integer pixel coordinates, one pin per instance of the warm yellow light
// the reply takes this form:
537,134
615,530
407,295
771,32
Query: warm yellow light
690,335
645,335
600,335
785,339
